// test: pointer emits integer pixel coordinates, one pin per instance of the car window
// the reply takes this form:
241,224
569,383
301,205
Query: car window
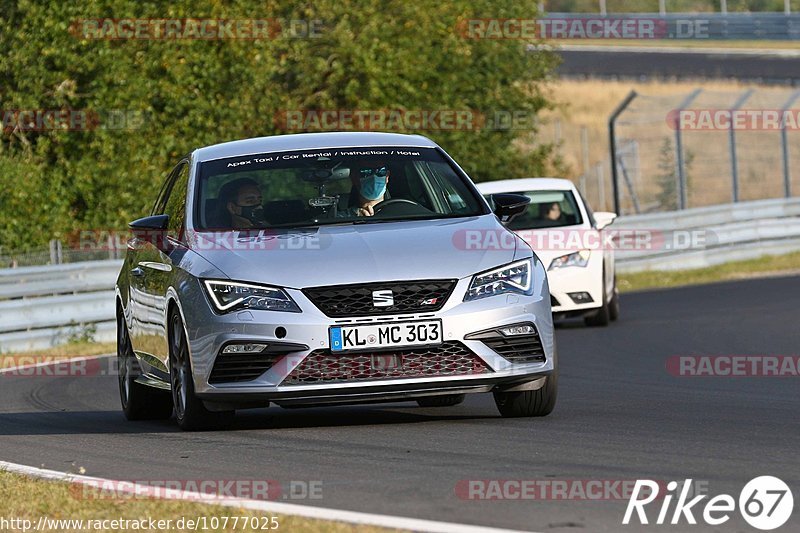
176,200
301,188
161,200
548,209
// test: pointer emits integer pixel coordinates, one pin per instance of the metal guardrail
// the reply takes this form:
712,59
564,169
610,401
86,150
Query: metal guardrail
46,305
715,235
705,26
43,306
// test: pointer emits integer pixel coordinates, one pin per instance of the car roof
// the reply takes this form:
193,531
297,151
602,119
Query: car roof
309,141
525,184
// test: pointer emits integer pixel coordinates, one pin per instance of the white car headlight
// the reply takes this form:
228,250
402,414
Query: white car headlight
578,259
234,296
511,278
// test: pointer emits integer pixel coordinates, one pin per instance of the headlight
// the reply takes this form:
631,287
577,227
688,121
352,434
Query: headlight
577,259
233,296
513,278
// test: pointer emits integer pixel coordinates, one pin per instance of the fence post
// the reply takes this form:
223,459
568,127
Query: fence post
612,138
683,196
584,158
732,144
601,186
53,252
787,172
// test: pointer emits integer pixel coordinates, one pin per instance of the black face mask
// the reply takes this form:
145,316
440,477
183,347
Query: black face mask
253,213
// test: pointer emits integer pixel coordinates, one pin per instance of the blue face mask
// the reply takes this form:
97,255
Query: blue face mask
373,186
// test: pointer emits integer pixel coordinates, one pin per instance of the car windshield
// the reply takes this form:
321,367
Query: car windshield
330,186
548,209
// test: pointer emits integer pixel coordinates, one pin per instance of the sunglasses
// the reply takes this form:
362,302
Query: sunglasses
380,172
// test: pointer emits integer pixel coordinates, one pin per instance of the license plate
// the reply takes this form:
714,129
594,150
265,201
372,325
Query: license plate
386,335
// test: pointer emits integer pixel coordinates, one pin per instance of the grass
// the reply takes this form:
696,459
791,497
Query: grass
27,498
768,265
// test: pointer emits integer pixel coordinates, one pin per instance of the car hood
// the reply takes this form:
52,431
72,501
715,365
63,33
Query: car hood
362,253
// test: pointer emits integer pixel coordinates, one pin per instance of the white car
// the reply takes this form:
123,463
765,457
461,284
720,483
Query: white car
567,236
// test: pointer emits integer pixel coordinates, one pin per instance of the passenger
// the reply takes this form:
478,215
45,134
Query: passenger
552,213
241,204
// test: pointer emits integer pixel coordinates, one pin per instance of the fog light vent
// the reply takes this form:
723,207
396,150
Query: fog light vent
244,348
524,329
580,297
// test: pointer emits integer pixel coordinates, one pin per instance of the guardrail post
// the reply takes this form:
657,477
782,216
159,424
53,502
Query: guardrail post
732,143
787,172
612,137
56,253
683,195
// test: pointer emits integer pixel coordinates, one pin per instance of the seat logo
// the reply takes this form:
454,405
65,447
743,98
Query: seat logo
383,298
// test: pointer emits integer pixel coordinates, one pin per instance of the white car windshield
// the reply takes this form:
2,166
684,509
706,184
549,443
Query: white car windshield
548,209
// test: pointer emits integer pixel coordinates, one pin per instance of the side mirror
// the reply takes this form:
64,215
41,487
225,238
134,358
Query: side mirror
153,230
603,219
509,206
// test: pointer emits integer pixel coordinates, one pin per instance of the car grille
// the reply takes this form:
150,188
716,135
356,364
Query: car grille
449,359
234,368
356,300
517,349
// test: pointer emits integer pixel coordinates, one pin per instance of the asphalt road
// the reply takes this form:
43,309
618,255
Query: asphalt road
639,64
620,416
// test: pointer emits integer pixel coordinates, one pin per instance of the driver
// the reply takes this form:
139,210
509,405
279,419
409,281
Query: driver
241,204
369,179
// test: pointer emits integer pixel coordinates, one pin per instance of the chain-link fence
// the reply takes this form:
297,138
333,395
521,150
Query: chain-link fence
58,253
697,148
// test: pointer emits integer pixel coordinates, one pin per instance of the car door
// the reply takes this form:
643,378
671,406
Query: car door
138,250
152,273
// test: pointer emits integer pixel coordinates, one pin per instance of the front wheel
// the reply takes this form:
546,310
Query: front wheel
539,402
190,411
613,305
139,402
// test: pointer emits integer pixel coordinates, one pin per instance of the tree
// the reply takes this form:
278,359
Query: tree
176,95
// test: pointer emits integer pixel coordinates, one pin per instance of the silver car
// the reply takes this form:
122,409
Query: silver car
329,268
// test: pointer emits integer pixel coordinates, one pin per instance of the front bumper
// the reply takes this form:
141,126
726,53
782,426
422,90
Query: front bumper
208,332
567,281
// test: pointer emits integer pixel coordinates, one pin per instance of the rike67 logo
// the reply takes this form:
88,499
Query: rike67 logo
765,503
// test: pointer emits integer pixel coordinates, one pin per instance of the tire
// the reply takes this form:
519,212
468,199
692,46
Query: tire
602,316
190,411
139,402
530,402
613,305
448,400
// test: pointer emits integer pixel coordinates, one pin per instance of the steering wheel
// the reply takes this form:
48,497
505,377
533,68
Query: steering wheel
393,201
